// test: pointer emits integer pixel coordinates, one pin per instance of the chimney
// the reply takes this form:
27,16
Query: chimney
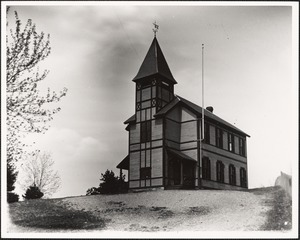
210,108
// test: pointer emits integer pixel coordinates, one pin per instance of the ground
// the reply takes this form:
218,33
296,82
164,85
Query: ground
156,211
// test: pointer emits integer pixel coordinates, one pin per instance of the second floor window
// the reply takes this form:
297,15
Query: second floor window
145,131
230,142
219,137
242,147
206,133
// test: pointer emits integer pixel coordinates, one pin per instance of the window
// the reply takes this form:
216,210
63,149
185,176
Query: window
146,131
219,138
242,147
145,173
206,168
206,133
230,142
243,177
232,175
220,171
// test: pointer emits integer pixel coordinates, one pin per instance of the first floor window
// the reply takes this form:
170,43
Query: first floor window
145,173
146,131
243,177
232,175
220,171
206,168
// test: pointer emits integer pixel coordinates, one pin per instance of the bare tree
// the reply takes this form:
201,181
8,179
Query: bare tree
37,170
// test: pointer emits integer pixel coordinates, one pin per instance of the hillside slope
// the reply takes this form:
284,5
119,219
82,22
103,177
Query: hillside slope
172,210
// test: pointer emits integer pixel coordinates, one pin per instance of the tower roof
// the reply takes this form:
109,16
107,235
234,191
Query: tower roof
154,63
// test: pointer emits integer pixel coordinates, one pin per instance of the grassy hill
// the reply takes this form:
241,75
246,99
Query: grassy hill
172,210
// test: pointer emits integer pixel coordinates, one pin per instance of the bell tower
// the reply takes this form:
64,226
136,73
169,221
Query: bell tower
154,84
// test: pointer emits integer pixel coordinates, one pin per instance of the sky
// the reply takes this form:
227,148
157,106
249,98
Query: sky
96,51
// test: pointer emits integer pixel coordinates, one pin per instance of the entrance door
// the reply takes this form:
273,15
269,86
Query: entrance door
177,172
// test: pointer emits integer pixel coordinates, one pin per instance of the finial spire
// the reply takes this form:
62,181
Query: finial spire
155,29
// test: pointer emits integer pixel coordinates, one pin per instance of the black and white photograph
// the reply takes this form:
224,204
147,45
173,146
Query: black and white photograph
149,119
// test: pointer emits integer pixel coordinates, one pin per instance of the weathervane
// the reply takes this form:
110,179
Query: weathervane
155,29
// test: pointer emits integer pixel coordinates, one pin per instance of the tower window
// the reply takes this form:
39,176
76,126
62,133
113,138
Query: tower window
146,131
232,175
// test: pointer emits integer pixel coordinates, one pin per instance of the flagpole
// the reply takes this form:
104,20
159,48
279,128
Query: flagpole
202,125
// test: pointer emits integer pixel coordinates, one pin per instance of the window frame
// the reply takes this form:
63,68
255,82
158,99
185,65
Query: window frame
206,168
220,171
232,174
231,145
219,137
145,135
243,177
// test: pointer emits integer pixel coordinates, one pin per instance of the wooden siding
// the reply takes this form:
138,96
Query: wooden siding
172,130
175,114
157,182
188,145
217,185
157,143
134,184
187,115
134,133
157,127
157,163
134,165
188,131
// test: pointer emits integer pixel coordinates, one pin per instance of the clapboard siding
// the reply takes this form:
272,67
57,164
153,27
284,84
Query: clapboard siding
134,165
188,131
157,163
157,127
187,115
134,133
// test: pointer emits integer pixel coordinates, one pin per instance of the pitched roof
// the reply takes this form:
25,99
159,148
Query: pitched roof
124,164
198,110
131,119
180,155
154,63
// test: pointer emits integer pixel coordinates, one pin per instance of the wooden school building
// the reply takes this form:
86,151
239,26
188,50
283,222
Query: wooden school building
164,150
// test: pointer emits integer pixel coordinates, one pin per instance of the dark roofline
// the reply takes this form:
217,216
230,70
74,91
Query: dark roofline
198,110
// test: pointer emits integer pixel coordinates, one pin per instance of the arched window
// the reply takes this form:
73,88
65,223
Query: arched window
232,175
206,168
243,177
220,171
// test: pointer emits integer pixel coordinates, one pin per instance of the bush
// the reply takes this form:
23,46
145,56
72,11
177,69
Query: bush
92,191
112,184
12,197
33,192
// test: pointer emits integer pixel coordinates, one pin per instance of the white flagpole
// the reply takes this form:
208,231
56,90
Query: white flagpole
202,125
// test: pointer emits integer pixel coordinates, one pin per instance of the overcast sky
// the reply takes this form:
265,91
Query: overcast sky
97,51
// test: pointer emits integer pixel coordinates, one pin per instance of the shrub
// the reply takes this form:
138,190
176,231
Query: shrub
33,192
112,184
12,197
92,191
